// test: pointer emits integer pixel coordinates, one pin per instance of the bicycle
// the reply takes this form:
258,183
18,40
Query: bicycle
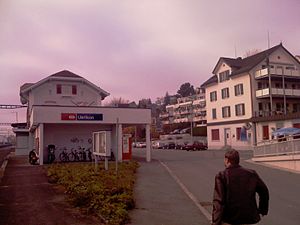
74,155
89,154
63,156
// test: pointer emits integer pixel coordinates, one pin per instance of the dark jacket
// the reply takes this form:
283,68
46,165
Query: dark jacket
234,199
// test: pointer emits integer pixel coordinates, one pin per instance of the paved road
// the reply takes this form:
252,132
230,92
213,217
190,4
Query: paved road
196,170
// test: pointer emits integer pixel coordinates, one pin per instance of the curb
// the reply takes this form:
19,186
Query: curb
4,164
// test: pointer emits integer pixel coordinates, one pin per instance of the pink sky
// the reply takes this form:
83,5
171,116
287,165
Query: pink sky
135,48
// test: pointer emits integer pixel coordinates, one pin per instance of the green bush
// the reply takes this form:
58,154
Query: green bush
101,192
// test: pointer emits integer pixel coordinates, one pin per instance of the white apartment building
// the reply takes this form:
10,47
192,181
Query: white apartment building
249,98
64,109
187,109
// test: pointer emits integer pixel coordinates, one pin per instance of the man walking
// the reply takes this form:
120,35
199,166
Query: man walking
234,200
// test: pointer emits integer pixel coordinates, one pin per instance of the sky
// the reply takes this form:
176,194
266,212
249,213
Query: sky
134,49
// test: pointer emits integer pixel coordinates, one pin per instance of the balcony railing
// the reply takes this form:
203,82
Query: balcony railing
260,116
277,91
277,71
276,148
164,115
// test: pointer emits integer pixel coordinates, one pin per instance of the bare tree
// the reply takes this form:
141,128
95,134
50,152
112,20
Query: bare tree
116,101
251,52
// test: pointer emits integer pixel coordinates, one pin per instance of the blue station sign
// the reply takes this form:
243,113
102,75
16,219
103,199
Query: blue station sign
88,116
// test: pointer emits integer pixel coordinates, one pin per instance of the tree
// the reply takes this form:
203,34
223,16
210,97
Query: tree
251,52
167,99
116,101
145,103
186,89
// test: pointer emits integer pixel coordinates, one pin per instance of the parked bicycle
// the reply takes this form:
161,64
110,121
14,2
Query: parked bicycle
63,156
89,154
73,156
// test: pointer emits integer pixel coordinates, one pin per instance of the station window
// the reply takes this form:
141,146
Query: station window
74,90
58,89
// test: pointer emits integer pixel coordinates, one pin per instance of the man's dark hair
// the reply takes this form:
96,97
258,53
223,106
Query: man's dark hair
233,157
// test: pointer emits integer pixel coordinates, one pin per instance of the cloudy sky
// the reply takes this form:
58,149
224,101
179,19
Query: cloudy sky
134,48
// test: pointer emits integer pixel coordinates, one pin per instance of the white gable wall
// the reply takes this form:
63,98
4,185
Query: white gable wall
45,94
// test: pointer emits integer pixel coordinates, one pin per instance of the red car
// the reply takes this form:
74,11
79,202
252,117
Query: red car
195,146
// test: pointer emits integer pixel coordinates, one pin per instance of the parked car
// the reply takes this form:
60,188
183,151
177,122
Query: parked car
157,144
177,131
195,146
140,145
185,131
170,145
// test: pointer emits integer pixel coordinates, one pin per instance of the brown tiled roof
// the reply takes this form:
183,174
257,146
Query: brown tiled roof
240,65
211,80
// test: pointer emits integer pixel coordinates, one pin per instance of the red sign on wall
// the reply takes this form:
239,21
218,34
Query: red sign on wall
68,116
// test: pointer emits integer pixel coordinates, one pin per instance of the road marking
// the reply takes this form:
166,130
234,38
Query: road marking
187,192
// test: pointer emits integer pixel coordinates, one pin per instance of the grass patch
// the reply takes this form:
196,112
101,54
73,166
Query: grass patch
100,192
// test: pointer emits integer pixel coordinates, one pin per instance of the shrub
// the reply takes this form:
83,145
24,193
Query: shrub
105,193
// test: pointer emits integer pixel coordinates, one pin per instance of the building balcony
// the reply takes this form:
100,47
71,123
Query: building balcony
164,115
181,120
263,93
263,73
261,116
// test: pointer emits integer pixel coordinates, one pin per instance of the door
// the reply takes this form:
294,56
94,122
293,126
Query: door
265,132
227,137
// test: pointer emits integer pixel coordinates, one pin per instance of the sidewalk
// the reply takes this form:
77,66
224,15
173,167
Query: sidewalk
26,197
160,200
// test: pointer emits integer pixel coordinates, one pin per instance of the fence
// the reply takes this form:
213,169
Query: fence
288,146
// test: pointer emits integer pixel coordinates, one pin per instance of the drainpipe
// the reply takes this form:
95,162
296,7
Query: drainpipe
284,97
270,85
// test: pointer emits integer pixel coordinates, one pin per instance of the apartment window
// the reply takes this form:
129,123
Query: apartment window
74,90
214,113
240,109
225,93
213,96
226,111
259,85
215,135
238,89
223,76
58,89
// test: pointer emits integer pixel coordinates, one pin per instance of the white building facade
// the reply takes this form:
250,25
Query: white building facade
64,109
249,98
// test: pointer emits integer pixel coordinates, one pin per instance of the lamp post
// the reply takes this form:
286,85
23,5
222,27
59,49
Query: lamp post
17,116
192,117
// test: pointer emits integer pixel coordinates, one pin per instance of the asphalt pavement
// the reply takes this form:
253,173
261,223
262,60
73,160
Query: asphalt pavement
174,189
